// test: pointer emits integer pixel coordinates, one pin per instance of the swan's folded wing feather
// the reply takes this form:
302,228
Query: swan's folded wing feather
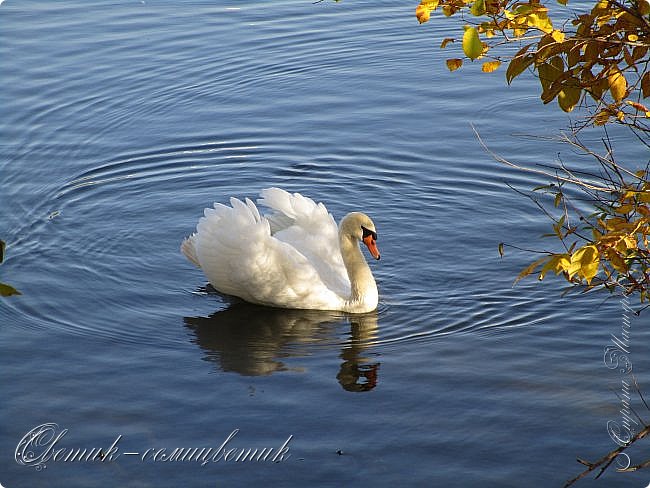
311,229
240,257
188,248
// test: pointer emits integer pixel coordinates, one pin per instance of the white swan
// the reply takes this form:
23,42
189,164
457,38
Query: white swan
295,257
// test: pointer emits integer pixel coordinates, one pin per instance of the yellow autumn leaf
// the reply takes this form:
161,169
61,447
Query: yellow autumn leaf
617,83
490,66
574,56
472,45
493,6
585,263
569,97
530,268
519,63
616,224
602,117
601,6
523,9
573,269
422,13
624,209
644,7
8,290
558,36
446,41
550,71
562,263
540,21
621,245
454,63
558,263
617,262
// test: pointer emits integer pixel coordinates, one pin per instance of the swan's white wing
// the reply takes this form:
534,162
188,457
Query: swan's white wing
311,229
235,249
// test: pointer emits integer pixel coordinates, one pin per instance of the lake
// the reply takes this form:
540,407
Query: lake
121,121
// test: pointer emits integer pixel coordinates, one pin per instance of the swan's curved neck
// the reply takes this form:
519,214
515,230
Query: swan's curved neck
364,294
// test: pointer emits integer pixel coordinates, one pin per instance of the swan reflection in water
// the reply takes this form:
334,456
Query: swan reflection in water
253,340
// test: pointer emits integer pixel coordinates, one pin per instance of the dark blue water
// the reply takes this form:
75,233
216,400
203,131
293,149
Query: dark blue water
121,121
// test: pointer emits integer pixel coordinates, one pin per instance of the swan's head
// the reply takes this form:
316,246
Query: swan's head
358,226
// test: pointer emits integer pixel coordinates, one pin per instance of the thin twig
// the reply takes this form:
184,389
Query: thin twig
604,462
573,181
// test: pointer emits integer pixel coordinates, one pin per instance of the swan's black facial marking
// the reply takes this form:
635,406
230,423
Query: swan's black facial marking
370,240
368,232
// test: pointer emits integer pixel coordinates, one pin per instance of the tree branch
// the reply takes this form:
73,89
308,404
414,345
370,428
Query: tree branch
573,181
604,462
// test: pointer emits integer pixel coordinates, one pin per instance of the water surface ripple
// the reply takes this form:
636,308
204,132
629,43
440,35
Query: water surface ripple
122,122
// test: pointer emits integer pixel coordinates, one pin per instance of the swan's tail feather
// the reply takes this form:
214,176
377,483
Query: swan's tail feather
212,228
187,248
253,209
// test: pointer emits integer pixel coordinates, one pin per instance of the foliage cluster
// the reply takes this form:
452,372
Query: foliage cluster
601,54
596,59
609,247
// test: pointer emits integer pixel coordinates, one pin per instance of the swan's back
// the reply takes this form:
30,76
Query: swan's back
311,230
290,258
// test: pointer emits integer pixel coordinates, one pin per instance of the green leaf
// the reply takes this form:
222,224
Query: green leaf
478,8
7,291
472,45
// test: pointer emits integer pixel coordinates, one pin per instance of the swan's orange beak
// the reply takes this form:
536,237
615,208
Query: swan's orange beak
371,244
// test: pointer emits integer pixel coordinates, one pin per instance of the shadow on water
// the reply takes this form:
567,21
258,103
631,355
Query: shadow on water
253,340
